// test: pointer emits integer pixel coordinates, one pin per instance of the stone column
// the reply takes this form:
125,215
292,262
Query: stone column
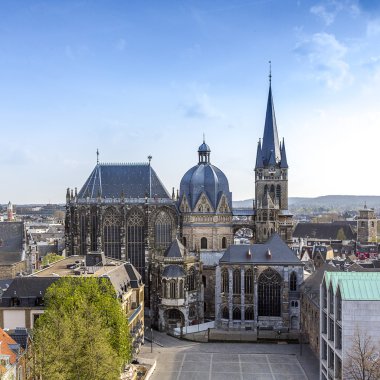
242,296
230,297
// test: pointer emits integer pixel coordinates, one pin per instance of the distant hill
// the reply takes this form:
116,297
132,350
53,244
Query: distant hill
333,202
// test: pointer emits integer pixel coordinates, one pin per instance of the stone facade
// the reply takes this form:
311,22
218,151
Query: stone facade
367,226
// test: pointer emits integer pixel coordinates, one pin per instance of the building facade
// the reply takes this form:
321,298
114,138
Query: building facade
367,225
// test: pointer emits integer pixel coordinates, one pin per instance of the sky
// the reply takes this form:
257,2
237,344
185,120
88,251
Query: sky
137,78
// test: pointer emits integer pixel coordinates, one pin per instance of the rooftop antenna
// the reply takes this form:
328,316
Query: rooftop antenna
270,73
150,176
97,156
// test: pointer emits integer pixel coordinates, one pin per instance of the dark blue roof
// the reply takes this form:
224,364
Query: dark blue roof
205,178
111,180
204,148
173,271
270,138
175,249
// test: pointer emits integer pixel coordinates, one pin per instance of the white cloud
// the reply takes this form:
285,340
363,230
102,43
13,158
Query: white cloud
326,56
321,11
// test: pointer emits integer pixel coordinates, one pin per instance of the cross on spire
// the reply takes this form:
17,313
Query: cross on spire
97,156
270,73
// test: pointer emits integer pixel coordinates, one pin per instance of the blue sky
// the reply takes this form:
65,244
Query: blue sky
134,78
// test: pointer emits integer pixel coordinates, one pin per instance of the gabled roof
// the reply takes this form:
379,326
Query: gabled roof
273,252
132,180
359,286
175,249
11,242
324,231
6,342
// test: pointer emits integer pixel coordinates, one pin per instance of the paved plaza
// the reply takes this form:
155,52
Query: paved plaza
182,360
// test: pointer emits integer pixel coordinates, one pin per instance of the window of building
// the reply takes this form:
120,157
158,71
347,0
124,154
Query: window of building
204,243
184,241
338,341
269,293
338,368
236,282
135,240
111,235
338,305
278,195
331,329
331,300
163,230
324,296
249,316
191,279
173,289
225,312
324,323
331,358
324,350
164,290
94,229
83,233
204,281
181,289
248,281
293,282
224,242
192,312
236,314
225,281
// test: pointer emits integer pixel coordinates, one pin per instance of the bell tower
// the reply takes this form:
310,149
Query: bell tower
271,181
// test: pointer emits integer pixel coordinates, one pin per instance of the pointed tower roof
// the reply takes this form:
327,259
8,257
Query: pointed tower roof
259,157
272,160
270,138
284,161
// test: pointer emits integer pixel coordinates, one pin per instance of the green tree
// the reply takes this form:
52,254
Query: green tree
83,333
50,258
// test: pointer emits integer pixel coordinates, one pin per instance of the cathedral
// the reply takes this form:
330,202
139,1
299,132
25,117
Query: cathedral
183,244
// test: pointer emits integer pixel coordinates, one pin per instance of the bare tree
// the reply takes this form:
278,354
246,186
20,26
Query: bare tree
363,359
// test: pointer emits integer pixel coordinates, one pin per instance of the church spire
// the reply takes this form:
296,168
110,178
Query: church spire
284,161
259,157
270,138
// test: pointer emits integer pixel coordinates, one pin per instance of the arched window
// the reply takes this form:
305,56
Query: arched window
225,281
278,194
248,281
164,291
191,279
269,293
184,241
94,229
135,240
204,281
236,282
225,312
173,289
249,314
181,289
224,242
265,189
272,191
204,243
111,234
163,230
293,282
83,232
236,314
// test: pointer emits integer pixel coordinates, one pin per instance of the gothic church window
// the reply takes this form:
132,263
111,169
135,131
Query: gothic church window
236,282
173,289
269,293
278,194
204,243
224,242
293,282
248,281
236,314
191,279
184,241
181,289
135,241
94,229
249,314
111,235
163,230
83,232
225,281
164,292
225,313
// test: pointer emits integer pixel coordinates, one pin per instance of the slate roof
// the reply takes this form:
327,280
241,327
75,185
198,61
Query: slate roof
11,242
323,231
28,287
207,178
173,271
280,253
134,275
111,180
175,249
21,336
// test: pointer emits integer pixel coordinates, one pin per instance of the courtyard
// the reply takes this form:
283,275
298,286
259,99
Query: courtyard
183,360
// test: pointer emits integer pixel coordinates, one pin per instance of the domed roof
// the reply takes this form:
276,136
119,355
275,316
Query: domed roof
206,178
204,148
